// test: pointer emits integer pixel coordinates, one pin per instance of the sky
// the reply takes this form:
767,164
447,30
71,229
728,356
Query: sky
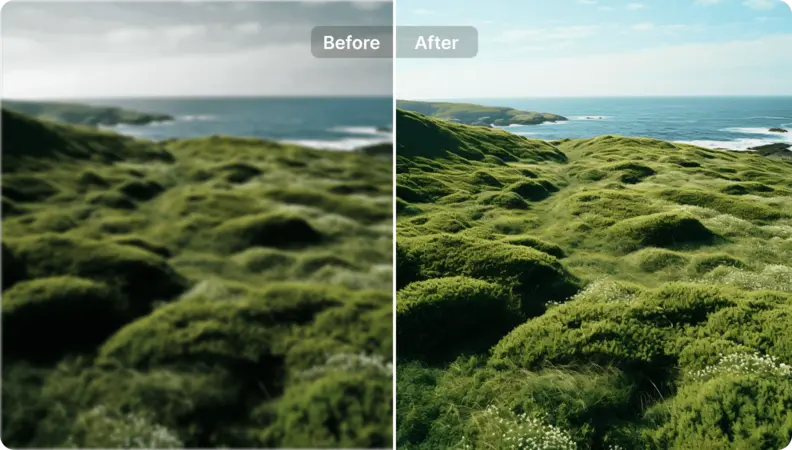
54,50
590,48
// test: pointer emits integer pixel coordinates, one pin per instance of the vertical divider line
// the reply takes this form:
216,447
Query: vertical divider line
2,259
393,200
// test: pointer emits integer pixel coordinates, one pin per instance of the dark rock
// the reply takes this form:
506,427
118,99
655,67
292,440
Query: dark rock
775,149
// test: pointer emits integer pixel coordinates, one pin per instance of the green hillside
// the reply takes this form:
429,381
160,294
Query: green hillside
80,114
213,292
603,293
471,114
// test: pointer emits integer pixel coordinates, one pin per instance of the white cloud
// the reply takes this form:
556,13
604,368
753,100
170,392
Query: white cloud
167,77
692,69
367,5
359,4
676,28
588,2
707,2
128,35
645,26
635,6
248,28
181,32
546,34
422,12
606,8
760,4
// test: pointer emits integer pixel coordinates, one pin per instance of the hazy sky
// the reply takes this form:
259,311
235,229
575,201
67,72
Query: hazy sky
108,49
604,47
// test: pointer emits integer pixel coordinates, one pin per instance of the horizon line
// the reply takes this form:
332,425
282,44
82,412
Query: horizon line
192,97
596,96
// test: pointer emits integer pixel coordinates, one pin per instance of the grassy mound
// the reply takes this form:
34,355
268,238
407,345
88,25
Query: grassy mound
344,410
535,277
81,312
660,230
469,309
188,293
429,138
143,277
267,230
677,262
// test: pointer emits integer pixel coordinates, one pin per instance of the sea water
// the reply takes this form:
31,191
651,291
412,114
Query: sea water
735,123
330,123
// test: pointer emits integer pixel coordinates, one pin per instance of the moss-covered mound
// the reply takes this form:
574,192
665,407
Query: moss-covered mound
141,276
469,309
535,277
266,230
173,296
660,230
677,262
80,312
422,136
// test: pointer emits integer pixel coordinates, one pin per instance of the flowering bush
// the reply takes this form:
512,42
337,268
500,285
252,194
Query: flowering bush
743,364
101,428
495,428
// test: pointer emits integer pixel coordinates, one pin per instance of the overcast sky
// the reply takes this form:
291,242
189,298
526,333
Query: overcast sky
132,49
537,48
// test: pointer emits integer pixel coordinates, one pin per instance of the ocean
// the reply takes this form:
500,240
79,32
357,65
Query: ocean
328,123
735,123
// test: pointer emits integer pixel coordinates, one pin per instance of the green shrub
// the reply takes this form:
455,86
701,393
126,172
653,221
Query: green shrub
682,304
340,410
474,314
583,335
80,313
141,276
729,411
100,428
534,276
238,334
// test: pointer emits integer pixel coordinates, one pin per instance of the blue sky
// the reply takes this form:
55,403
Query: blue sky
534,48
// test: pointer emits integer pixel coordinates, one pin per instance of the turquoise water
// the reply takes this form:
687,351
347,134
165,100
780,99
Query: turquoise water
716,122
333,123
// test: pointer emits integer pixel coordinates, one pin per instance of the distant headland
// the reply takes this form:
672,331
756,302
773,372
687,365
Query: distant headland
80,114
472,114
